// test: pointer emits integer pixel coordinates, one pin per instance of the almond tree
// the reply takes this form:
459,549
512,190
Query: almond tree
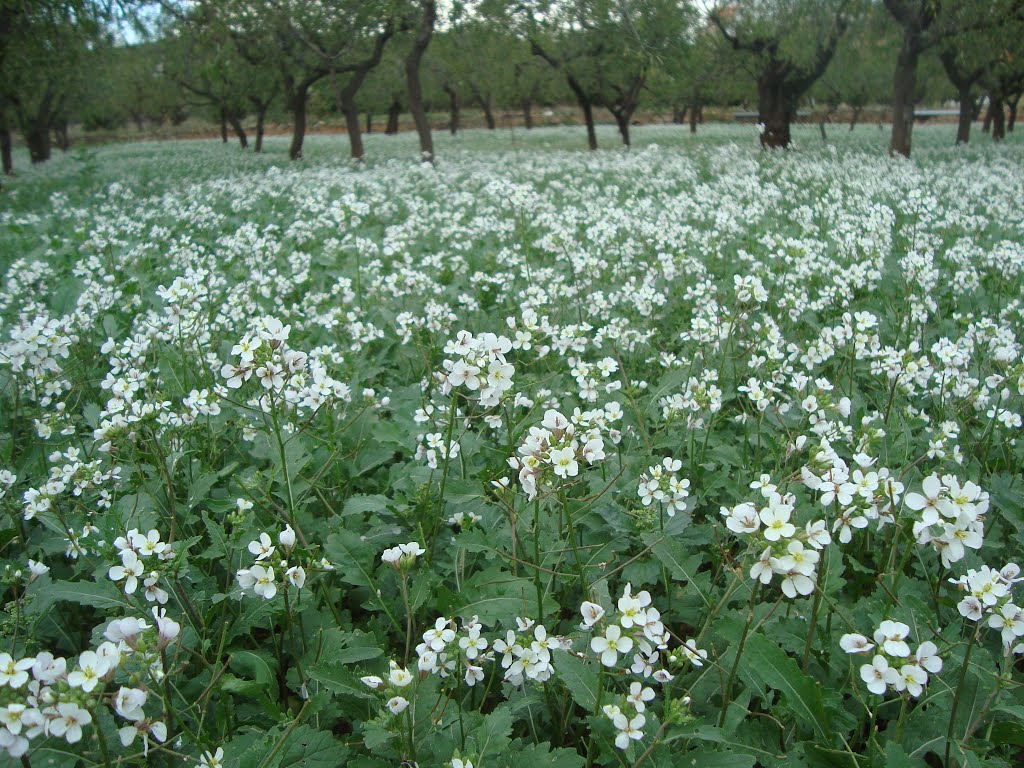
788,45
926,24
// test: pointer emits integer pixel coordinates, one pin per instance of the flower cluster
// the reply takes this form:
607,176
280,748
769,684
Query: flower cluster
662,485
260,577
990,594
47,696
892,664
477,364
949,515
403,556
554,451
780,543
134,550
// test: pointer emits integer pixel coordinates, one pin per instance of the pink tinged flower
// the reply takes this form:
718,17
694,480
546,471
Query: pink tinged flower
611,644
167,628
855,643
128,703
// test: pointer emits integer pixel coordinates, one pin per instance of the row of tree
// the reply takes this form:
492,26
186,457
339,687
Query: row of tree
242,60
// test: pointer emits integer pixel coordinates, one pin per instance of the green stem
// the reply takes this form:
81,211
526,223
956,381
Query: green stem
956,697
727,690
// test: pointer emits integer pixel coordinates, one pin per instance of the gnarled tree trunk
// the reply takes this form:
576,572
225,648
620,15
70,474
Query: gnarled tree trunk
261,116
6,155
236,126
998,119
453,109
774,111
904,86
412,78
394,112
527,107
963,126
223,125
355,134
1013,103
297,96
855,117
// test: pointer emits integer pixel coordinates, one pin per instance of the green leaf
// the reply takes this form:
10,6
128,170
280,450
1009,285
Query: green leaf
103,595
896,757
358,505
681,564
492,737
496,595
704,757
352,557
578,677
765,664
542,756
339,680
310,748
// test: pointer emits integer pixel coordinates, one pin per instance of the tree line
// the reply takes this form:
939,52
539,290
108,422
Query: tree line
238,61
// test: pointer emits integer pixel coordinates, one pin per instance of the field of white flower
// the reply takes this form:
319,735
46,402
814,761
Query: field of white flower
688,455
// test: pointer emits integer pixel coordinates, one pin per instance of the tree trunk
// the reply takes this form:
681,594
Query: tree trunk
412,78
986,126
6,156
60,133
622,121
774,111
297,103
236,126
37,139
695,117
855,117
394,111
527,114
963,127
485,105
261,115
588,118
453,109
1012,103
224,126
904,86
998,120
355,134
679,114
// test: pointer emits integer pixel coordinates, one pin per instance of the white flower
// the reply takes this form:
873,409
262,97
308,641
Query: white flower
69,722
628,729
878,675
592,613
397,704
855,643
91,668
611,644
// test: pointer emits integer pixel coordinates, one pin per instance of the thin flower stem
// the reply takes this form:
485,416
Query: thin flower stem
956,696
727,690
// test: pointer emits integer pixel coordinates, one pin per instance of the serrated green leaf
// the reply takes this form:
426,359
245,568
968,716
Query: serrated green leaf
101,595
578,676
765,664
681,564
